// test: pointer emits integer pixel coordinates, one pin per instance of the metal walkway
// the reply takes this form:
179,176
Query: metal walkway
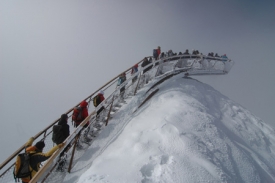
161,69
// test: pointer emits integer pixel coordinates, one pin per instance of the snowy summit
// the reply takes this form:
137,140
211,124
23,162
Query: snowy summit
187,132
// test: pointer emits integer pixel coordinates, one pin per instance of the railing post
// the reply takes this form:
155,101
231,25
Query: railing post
72,157
137,84
110,111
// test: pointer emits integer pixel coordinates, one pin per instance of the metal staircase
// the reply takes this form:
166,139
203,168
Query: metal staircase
162,69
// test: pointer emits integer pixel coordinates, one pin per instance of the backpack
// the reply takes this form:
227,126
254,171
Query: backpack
77,114
57,136
145,63
22,166
96,100
121,79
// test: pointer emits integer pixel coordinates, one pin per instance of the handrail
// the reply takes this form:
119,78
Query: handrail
110,83
48,127
50,160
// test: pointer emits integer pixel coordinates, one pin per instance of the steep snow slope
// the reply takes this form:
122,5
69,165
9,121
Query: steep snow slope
187,132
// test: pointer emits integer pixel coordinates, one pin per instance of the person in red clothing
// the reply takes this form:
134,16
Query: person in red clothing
83,113
101,99
159,51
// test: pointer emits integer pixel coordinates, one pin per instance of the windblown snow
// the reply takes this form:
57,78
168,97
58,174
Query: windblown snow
187,132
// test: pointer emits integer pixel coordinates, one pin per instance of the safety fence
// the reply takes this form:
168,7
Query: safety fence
189,64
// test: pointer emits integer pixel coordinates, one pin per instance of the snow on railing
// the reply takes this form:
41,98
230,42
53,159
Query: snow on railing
195,65
191,64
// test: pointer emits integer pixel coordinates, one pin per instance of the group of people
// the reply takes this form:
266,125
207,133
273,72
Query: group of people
145,62
63,129
36,158
61,132
194,52
211,54
35,152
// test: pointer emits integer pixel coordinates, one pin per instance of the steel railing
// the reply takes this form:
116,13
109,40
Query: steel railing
191,64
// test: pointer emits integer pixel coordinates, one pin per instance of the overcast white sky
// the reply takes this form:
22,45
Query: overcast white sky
53,54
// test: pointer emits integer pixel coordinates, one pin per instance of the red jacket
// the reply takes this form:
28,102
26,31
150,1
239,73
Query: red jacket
158,50
84,111
134,69
101,97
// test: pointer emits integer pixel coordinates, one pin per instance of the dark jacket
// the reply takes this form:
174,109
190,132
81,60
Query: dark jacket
65,128
186,52
144,64
101,98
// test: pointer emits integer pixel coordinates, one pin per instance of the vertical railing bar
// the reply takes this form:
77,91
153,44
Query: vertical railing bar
109,113
137,84
71,160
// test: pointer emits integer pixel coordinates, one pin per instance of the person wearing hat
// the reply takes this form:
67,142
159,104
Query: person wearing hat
82,112
101,99
65,128
83,109
133,71
159,51
38,156
121,79
64,134
224,58
145,63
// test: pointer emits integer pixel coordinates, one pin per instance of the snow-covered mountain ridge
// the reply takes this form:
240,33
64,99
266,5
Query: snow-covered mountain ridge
187,132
